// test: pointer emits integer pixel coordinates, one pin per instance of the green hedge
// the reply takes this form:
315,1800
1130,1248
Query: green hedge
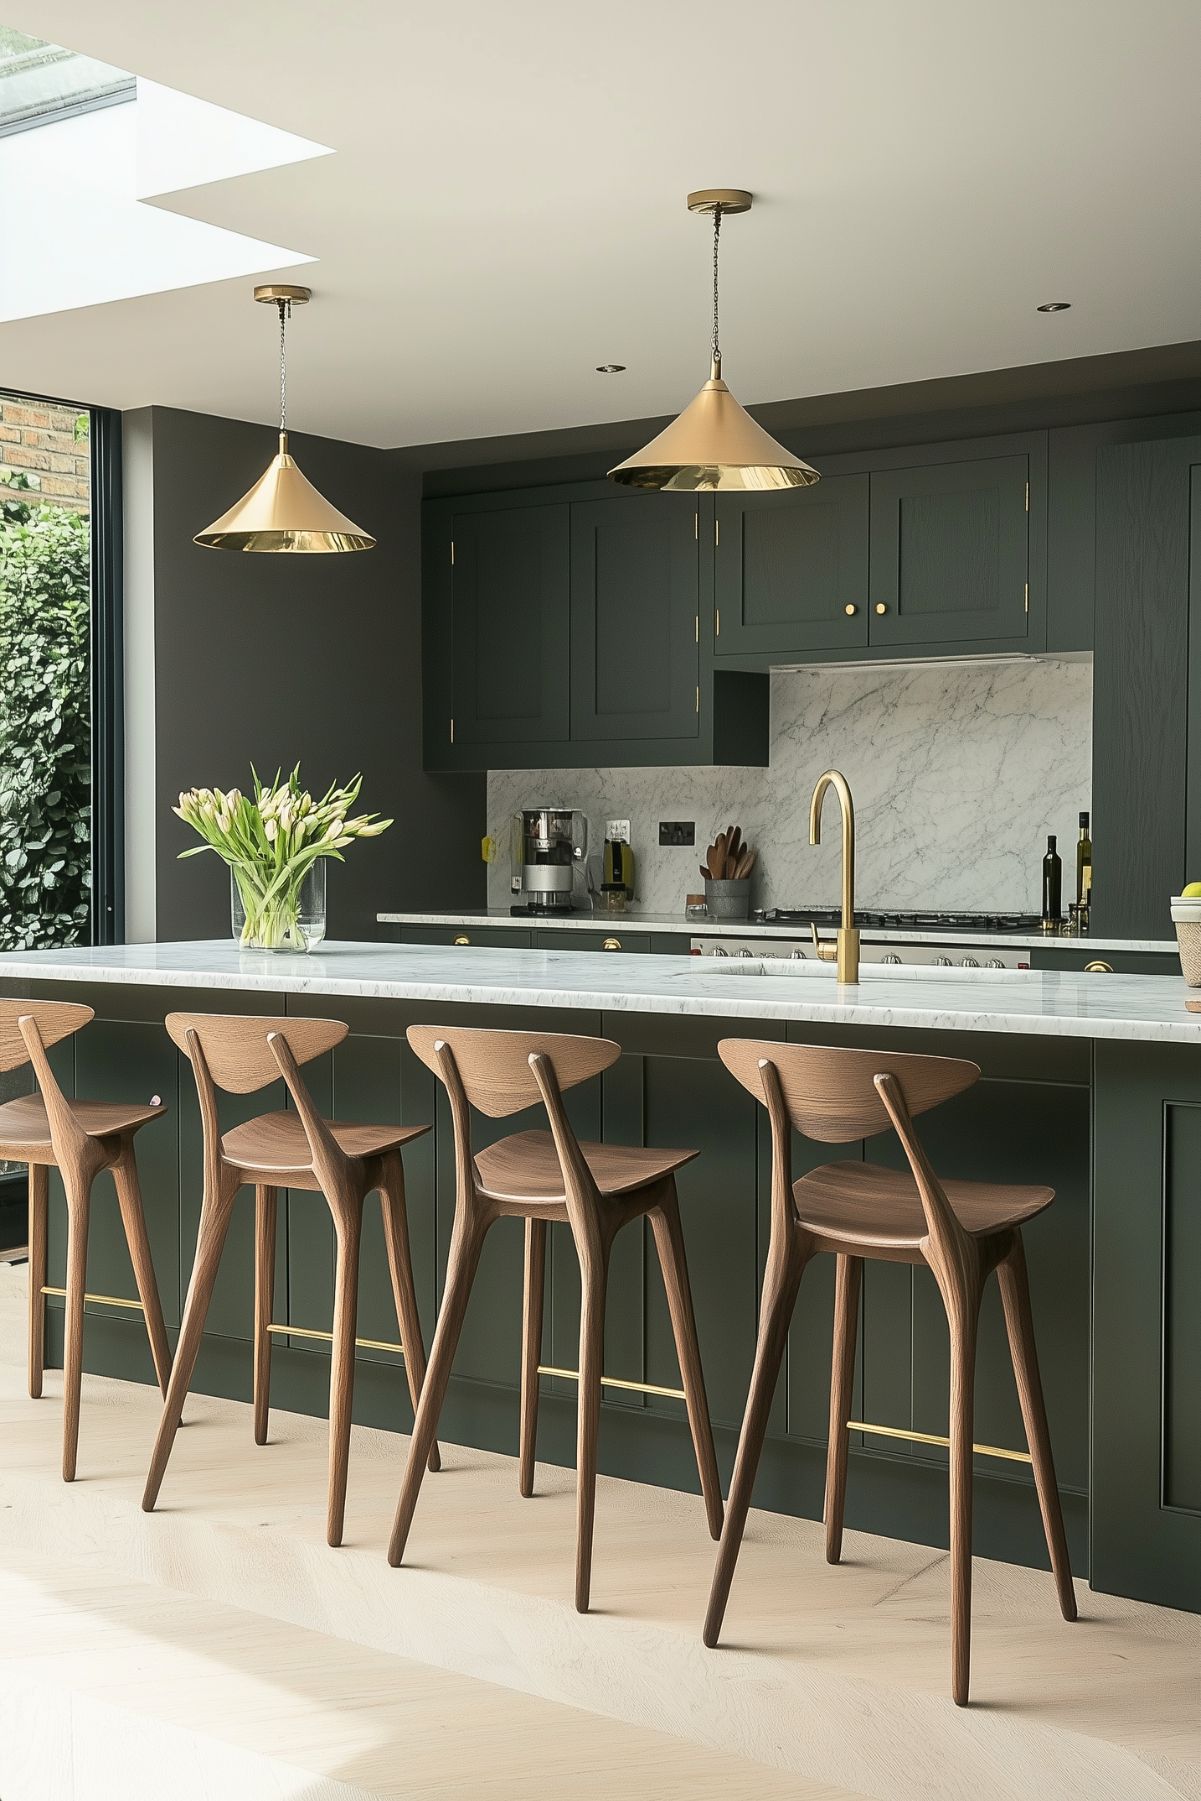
45,728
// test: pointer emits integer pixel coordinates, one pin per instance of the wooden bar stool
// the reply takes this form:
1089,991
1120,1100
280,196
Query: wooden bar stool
342,1162
538,1177
962,1230
78,1138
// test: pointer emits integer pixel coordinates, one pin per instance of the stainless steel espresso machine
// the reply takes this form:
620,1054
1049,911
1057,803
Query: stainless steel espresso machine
550,845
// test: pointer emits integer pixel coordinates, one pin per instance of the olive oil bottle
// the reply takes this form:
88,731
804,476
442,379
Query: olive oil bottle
1084,865
1052,885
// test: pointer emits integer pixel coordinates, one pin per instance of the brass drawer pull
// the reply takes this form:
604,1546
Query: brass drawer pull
881,607
1098,969
462,939
850,609
611,944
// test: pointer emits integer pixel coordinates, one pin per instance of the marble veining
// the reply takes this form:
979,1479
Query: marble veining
1054,1003
958,771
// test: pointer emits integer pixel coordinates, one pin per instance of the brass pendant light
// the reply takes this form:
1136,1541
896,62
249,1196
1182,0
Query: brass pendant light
283,511
714,443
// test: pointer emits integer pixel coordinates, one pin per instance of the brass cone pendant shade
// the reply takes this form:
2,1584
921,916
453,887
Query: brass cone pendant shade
284,511
714,443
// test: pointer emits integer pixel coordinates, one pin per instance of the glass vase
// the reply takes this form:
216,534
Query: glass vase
292,919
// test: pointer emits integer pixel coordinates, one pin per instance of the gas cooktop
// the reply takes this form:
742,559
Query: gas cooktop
888,919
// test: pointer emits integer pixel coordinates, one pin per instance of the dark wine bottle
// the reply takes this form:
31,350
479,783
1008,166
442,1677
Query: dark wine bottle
1052,884
1084,864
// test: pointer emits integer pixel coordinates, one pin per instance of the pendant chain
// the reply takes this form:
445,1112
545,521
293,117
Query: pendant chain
716,237
285,311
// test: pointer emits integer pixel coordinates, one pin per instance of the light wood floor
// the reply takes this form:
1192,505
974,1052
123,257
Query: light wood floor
222,1640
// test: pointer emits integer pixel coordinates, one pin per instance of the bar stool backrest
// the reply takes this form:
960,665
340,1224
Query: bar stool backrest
495,1067
832,1094
55,1020
237,1049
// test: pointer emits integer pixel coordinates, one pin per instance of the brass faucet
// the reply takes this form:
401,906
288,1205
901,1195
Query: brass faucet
846,949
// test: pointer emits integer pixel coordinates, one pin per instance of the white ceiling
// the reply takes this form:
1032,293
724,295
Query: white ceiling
504,207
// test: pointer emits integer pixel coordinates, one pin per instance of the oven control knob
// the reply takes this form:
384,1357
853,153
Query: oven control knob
797,956
720,950
942,963
890,958
994,963
969,963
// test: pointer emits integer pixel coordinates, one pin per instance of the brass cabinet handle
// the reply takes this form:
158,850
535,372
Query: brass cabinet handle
881,607
611,944
1098,969
850,609
462,939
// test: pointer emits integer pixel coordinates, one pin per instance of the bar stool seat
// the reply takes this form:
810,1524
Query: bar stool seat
25,1125
863,1206
524,1169
276,1143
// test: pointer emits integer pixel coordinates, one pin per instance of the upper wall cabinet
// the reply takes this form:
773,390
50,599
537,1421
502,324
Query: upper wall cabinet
790,569
635,619
938,549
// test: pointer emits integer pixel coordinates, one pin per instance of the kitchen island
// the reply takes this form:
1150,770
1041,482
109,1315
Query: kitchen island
1091,1084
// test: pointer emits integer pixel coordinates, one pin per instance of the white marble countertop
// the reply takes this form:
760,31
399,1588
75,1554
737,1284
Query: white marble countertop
750,928
1060,1003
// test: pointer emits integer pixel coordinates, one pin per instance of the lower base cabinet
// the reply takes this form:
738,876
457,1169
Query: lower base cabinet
1137,1470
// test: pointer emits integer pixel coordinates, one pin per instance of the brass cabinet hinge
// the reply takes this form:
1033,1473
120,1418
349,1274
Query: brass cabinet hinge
696,524
452,553
716,531
1027,596
1027,496
696,628
717,622
698,700
452,731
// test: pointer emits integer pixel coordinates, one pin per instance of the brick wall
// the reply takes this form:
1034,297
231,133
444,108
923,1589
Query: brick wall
37,438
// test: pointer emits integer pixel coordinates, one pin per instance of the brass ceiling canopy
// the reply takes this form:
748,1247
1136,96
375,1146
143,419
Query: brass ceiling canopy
284,511
714,443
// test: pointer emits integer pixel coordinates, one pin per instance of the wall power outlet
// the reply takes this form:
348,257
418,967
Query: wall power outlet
677,831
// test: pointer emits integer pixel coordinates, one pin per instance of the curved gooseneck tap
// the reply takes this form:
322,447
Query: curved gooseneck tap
846,950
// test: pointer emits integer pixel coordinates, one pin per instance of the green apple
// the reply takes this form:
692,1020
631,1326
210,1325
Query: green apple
1192,892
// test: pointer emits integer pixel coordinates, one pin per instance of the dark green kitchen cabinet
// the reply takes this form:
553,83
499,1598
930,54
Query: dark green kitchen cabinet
790,570
950,552
635,618
499,630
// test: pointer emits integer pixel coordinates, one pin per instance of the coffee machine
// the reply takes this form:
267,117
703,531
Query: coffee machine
550,845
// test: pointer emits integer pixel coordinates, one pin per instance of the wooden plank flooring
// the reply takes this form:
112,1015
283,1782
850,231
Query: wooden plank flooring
224,1631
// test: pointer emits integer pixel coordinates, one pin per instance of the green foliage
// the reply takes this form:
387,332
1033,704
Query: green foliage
45,766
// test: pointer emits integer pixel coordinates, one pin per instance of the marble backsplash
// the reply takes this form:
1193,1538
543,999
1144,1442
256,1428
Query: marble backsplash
958,772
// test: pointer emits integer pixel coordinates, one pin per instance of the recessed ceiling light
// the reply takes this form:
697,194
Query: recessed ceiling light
610,368
1055,306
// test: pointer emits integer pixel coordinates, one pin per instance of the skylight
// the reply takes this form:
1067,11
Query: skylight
40,82
105,228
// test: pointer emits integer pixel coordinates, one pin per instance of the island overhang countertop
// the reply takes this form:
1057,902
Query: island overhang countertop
1031,1002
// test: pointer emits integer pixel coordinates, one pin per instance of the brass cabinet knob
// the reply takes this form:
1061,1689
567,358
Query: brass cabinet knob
611,944
1098,969
462,938
881,607
850,609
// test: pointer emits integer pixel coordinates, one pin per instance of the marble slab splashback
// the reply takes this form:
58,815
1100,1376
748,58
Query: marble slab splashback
958,772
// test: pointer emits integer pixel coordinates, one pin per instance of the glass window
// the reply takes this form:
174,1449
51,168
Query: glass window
40,82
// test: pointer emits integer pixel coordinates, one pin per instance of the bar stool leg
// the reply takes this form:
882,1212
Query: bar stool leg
39,1189
79,1198
961,1296
215,1212
1019,1324
594,1277
669,1242
400,1268
532,1302
785,1267
348,1226
842,1376
466,1243
266,1204
133,1218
